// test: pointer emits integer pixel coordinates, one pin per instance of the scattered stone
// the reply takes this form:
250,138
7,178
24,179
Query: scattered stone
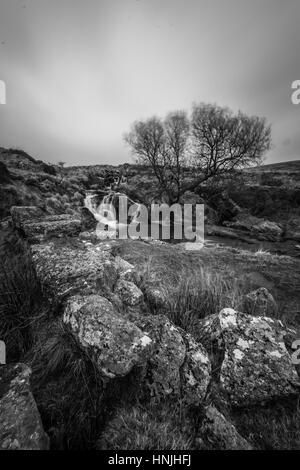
253,363
20,424
115,344
129,293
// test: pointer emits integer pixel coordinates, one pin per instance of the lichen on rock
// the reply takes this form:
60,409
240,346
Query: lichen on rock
115,344
21,427
254,364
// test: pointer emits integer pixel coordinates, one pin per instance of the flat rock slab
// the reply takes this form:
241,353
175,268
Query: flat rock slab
38,226
249,352
65,268
20,424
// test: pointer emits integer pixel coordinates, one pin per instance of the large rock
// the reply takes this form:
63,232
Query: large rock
20,423
217,433
68,268
179,366
267,230
256,227
253,363
36,226
115,344
260,303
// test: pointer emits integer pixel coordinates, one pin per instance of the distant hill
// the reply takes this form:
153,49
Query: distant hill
292,166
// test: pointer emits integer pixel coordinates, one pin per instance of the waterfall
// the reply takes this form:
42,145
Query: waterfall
107,212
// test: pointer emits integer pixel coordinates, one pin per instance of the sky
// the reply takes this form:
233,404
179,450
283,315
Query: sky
79,72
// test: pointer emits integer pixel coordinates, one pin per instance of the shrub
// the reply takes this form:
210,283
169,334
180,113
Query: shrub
53,205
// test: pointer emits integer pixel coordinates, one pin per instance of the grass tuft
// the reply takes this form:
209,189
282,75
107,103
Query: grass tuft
20,296
152,427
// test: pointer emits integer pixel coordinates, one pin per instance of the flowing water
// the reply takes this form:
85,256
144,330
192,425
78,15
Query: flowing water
107,213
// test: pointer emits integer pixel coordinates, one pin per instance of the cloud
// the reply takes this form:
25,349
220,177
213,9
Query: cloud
79,72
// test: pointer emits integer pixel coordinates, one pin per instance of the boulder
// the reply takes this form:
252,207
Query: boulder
115,344
66,268
179,367
267,230
260,303
163,377
217,433
129,293
249,356
20,424
256,227
156,296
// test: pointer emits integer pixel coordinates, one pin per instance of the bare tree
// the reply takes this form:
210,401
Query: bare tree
163,146
223,142
215,142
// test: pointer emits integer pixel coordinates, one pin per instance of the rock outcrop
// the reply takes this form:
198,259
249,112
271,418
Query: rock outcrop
36,226
249,353
21,427
105,305
104,310
67,268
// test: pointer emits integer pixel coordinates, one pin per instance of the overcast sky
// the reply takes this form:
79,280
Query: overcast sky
78,72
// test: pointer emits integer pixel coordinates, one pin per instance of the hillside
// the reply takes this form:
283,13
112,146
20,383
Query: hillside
142,344
292,166
56,190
